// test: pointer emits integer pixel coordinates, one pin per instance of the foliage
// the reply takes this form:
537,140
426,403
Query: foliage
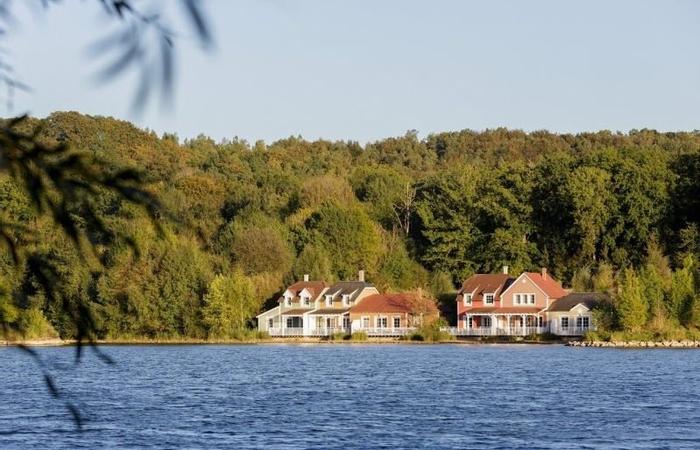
586,206
631,306
229,303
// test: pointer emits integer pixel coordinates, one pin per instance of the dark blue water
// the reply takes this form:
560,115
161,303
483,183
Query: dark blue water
356,396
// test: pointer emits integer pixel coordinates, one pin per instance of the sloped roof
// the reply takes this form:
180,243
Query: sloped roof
314,287
589,299
296,312
389,303
549,285
486,283
329,311
352,288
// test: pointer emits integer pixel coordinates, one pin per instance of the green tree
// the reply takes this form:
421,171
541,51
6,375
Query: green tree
315,262
631,308
349,237
683,295
229,304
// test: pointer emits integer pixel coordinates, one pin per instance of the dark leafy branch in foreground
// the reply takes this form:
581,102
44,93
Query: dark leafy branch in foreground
64,189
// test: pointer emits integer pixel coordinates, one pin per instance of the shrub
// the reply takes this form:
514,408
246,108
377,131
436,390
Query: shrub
339,336
432,332
359,336
33,325
417,337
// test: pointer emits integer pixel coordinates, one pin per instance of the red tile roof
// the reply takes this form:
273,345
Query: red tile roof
549,285
314,287
486,283
387,303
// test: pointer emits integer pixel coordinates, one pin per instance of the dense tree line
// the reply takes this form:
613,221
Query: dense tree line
240,220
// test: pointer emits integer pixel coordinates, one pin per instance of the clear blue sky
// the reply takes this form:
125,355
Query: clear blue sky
366,69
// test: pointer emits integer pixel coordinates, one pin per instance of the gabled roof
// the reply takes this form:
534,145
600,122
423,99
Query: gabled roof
549,285
388,303
486,283
351,288
589,299
314,287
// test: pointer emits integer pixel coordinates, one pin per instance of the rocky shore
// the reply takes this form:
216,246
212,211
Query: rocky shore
636,344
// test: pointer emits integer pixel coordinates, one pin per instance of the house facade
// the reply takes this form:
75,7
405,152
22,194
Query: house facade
315,309
531,303
394,314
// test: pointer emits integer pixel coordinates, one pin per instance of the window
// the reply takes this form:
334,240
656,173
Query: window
346,299
486,321
270,323
381,322
517,299
365,322
329,300
467,299
565,322
288,301
582,322
305,301
397,322
488,299
532,299
346,322
469,322
540,321
294,322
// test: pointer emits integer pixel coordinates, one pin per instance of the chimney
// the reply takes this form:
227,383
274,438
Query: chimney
306,277
361,275
505,270
544,273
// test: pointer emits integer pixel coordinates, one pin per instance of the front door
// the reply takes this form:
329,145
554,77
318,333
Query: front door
329,322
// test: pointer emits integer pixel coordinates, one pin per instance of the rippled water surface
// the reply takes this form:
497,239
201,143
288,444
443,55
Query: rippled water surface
356,396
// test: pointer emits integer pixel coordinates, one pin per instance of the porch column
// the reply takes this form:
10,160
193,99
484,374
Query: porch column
523,317
494,317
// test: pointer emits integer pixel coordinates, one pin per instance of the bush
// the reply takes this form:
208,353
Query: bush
262,335
417,337
339,336
33,325
359,336
432,332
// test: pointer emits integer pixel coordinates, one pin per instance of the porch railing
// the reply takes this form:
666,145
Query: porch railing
571,331
495,331
285,331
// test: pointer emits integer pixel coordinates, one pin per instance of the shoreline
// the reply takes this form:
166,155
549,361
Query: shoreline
686,343
274,341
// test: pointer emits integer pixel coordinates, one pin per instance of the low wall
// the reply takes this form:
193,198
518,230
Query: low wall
637,344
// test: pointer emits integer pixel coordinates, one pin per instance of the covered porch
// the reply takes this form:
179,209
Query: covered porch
502,322
328,321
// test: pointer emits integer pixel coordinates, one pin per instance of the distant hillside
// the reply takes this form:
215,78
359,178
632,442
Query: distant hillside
411,213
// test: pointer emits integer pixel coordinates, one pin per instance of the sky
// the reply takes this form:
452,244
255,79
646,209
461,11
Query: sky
367,69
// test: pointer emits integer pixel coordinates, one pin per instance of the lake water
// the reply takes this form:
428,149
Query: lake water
356,396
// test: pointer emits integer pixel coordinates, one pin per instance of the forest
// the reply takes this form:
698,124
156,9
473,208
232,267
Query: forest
237,221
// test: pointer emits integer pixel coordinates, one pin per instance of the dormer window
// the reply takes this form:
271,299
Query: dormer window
329,300
305,301
488,299
287,301
467,299
346,299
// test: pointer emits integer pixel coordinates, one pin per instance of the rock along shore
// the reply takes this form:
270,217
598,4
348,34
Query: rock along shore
636,344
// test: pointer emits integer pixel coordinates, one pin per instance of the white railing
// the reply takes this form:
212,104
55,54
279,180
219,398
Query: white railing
284,331
329,331
495,331
384,331
571,331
